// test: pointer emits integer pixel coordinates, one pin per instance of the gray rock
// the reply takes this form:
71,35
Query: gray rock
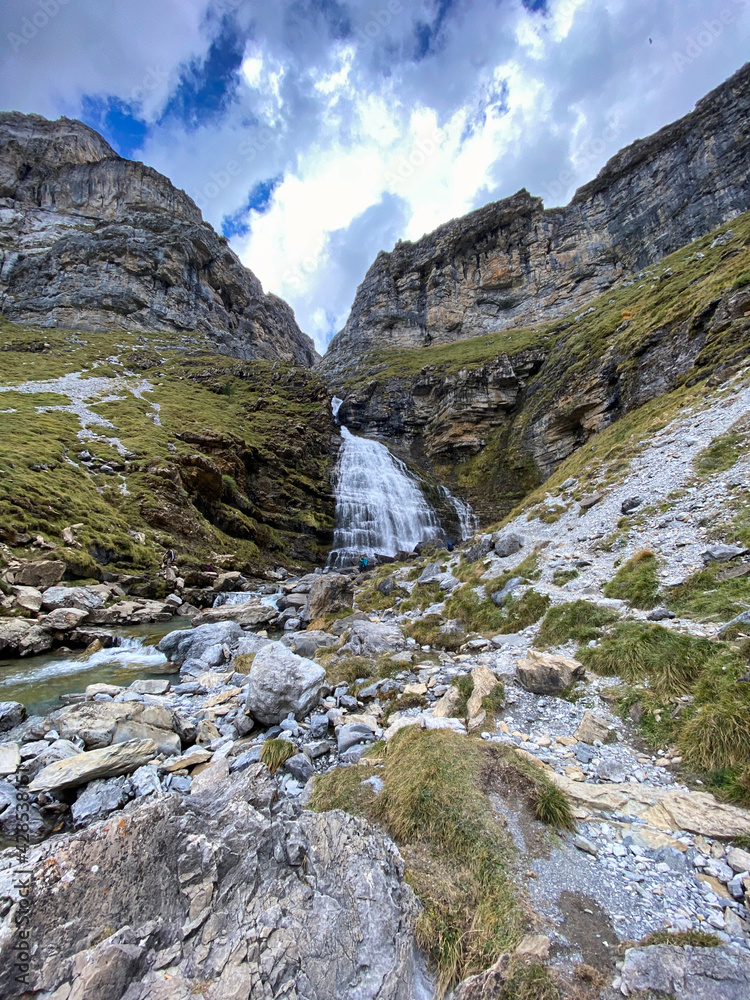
507,544
40,575
242,761
660,615
547,673
168,743
299,767
368,638
221,862
318,726
28,597
12,714
204,643
387,586
741,619
479,548
152,685
432,573
329,592
631,504
318,748
723,553
145,781
739,860
108,762
83,598
16,823
351,734
499,597
99,798
282,682
687,973
307,643
611,770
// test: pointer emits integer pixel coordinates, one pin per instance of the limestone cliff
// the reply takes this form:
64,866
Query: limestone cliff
512,263
89,240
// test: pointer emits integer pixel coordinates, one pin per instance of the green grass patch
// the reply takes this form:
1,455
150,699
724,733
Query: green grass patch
422,596
426,631
681,939
723,452
709,595
479,614
637,581
581,621
562,576
274,752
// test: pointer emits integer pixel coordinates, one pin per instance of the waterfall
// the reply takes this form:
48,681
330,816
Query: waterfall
380,506
468,522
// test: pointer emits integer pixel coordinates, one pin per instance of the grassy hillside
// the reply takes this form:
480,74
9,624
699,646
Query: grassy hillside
134,435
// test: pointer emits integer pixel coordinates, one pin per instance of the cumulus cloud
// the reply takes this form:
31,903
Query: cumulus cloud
318,132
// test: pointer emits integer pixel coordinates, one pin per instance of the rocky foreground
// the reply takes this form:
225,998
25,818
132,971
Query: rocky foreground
177,854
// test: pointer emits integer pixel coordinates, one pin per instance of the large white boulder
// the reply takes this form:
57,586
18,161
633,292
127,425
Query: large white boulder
282,682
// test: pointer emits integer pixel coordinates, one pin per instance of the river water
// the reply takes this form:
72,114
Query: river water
38,681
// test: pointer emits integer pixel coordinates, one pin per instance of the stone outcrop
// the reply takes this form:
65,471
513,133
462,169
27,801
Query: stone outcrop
511,263
93,241
215,894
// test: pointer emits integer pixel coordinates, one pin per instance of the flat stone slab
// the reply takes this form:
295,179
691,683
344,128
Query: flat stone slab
107,762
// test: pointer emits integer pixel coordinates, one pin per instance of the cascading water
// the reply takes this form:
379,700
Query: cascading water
380,506
468,522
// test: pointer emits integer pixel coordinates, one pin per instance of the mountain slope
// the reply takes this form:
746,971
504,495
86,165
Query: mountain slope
512,263
91,241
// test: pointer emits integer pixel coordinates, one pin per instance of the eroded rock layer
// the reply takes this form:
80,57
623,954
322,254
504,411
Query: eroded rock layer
91,241
512,263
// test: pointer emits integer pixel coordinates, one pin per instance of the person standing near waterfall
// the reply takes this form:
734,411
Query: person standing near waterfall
363,563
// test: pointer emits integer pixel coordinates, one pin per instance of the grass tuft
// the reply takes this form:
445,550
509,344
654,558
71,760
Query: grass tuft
637,581
578,620
694,939
552,807
274,752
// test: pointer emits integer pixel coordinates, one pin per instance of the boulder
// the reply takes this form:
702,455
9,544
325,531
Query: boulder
41,575
12,631
12,714
329,592
351,734
93,722
329,888
83,598
485,683
592,727
36,640
205,643
59,750
508,544
282,682
249,614
28,597
723,553
739,860
479,548
150,685
660,615
629,505
591,501
299,767
192,757
687,973
10,758
62,619
447,706
368,638
108,762
432,573
547,673
387,586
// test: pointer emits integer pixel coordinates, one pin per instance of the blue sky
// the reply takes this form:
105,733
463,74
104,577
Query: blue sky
315,133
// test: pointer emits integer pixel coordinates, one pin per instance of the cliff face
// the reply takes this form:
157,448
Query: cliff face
512,263
91,241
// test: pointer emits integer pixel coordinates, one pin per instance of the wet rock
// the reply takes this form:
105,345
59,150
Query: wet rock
282,682
547,673
12,713
508,544
40,575
250,614
591,728
687,973
368,638
204,644
98,799
109,762
329,592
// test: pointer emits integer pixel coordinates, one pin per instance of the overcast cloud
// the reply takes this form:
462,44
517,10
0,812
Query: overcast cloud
315,133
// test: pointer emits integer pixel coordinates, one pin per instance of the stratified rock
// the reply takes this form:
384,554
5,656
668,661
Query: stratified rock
127,730
687,973
12,713
282,682
330,592
109,762
193,880
98,799
250,614
103,243
547,673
